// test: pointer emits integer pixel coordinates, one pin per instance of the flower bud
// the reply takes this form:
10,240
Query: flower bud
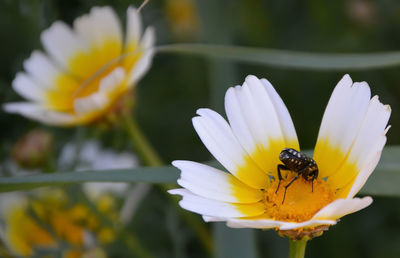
33,149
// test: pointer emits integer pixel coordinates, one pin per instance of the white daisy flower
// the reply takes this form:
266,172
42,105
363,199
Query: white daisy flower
80,75
349,145
93,157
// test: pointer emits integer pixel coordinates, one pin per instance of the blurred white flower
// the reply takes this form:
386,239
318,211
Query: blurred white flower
93,157
81,74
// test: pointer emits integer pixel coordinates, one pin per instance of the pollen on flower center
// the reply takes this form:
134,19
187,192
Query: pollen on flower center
301,203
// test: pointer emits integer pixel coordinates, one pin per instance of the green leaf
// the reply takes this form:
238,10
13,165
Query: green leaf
287,58
157,175
384,181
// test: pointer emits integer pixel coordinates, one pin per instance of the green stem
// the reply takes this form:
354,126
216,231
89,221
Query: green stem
149,157
297,249
142,147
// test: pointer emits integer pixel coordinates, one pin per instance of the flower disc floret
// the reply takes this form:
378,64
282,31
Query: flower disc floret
302,200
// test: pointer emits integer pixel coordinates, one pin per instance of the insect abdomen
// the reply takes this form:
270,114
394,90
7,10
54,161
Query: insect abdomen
293,159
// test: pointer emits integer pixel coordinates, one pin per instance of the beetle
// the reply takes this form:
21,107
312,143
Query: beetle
299,163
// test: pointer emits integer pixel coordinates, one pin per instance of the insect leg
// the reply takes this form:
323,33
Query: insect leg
286,187
314,175
283,167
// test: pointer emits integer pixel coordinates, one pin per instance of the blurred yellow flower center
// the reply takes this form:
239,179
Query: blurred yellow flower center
301,203
67,222
89,68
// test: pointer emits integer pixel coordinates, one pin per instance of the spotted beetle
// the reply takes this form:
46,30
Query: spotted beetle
298,162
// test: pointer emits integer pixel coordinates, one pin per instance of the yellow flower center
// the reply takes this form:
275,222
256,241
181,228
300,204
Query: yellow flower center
87,69
301,201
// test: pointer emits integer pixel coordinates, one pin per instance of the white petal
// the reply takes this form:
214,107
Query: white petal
27,88
100,100
285,120
354,114
257,112
99,26
237,119
369,140
371,131
147,52
40,113
214,208
365,172
94,102
148,38
133,27
112,80
214,184
62,43
306,224
282,225
350,133
260,121
141,67
217,136
255,223
342,207
344,113
334,104
42,69
213,219
342,120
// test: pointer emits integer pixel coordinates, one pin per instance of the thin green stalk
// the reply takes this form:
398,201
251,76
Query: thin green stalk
297,249
149,157
143,149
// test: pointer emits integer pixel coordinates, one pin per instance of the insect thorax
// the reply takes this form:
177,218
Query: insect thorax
297,161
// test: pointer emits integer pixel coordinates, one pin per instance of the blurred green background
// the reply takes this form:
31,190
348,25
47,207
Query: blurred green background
177,85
